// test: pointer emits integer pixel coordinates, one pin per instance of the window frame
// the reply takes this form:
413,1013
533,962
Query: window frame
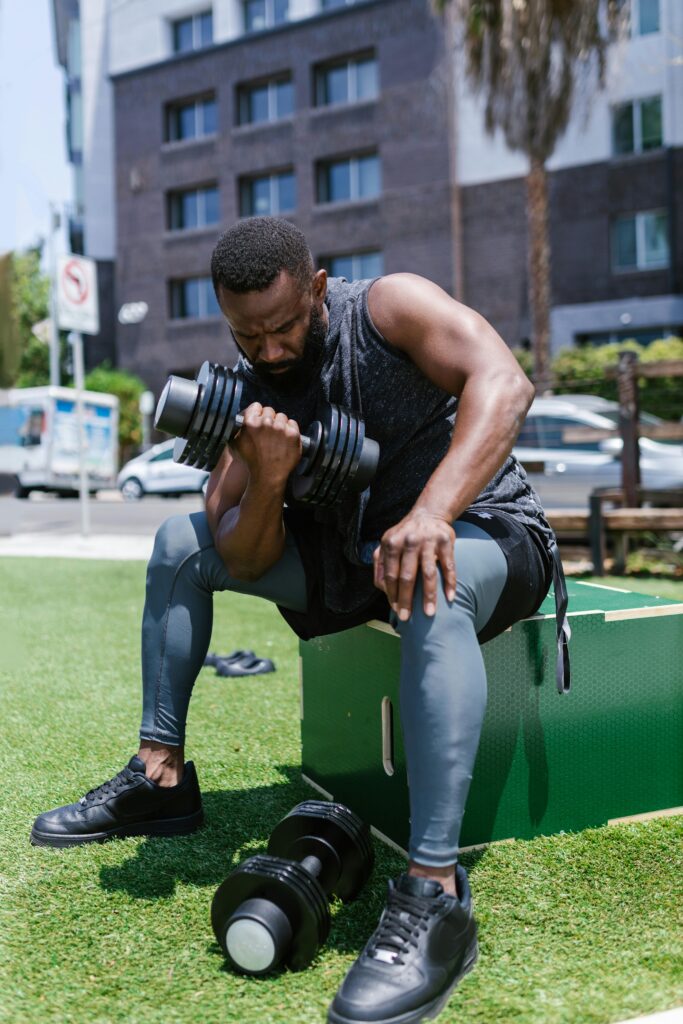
171,112
195,20
639,217
269,17
634,17
271,83
247,181
203,304
175,196
326,262
350,63
322,182
636,106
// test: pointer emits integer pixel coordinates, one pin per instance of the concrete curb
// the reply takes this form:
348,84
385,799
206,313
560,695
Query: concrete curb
674,1016
112,547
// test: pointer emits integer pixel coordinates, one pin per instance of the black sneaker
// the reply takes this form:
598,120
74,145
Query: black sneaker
426,941
130,804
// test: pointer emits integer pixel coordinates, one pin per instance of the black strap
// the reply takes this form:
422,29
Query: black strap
562,668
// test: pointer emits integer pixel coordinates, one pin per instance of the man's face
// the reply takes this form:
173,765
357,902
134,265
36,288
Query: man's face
281,330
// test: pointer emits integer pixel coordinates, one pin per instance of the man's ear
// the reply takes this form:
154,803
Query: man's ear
319,285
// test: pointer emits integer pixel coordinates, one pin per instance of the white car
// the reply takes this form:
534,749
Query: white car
155,472
564,473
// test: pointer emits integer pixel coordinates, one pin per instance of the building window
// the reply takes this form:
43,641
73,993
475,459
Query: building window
265,101
639,17
191,120
643,335
192,33
193,208
193,299
260,14
357,177
355,266
269,194
346,81
641,241
637,126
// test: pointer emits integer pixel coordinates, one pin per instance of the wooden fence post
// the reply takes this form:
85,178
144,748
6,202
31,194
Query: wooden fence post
627,383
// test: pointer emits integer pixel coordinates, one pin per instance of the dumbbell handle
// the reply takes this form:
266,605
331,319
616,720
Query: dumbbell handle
306,441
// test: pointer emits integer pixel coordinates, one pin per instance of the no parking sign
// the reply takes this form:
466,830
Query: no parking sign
77,305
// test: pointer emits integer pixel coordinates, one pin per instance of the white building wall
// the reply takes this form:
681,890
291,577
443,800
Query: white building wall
141,29
98,133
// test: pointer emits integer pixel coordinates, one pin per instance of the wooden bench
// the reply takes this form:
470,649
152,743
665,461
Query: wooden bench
596,522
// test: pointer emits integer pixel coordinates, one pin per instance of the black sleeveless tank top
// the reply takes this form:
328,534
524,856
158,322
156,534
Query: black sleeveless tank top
411,419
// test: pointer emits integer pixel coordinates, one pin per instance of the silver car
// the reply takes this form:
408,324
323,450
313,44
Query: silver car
564,474
155,472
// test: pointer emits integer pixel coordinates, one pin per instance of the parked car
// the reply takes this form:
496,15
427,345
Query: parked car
603,406
564,474
155,472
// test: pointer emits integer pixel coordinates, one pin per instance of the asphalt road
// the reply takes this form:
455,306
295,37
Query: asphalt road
42,513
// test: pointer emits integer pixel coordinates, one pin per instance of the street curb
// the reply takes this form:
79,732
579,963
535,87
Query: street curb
110,547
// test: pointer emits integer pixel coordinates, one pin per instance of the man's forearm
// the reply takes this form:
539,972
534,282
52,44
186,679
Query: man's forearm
250,538
489,418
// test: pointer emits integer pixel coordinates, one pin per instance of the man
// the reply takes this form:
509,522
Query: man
449,543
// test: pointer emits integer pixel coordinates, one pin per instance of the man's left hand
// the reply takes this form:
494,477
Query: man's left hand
422,541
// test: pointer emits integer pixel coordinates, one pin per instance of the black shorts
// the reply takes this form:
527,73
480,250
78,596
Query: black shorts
529,578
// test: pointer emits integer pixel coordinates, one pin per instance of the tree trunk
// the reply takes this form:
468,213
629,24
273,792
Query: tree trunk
450,17
539,271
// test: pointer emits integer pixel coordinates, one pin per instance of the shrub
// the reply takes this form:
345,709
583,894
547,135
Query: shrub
128,388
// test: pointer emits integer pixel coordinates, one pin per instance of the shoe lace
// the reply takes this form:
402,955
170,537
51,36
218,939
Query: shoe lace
109,788
403,919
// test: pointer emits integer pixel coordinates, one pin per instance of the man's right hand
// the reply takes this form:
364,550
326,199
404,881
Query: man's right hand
269,443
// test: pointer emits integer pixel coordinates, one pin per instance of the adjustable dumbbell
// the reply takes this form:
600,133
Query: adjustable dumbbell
205,415
273,909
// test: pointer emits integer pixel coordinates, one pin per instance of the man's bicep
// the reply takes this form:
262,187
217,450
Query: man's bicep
226,485
447,340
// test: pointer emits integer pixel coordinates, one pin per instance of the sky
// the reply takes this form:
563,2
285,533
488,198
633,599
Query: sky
33,163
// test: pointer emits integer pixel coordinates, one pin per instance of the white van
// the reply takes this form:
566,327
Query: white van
39,439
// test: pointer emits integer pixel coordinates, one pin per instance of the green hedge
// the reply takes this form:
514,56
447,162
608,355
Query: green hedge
582,370
128,388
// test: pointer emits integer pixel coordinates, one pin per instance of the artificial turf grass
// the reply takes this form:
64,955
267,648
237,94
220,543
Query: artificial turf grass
582,927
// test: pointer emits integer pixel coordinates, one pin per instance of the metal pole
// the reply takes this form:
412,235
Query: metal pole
76,342
54,330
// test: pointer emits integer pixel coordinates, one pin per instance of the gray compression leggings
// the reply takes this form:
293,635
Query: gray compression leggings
443,680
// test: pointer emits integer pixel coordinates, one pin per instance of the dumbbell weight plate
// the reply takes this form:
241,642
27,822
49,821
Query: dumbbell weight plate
303,487
206,436
291,888
344,469
334,834
337,457
227,427
207,385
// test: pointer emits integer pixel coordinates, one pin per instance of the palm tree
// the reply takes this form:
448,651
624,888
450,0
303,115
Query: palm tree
528,57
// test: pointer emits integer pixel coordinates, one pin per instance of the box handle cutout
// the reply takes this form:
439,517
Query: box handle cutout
387,736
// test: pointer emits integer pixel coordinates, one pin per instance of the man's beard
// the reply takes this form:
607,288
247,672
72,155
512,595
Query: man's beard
299,373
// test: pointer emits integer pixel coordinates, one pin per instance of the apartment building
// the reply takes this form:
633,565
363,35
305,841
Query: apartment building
335,118
615,196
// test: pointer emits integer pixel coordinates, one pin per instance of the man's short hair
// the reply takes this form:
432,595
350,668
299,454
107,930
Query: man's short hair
250,255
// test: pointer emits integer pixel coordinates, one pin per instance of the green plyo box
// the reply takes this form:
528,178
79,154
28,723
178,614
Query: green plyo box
609,749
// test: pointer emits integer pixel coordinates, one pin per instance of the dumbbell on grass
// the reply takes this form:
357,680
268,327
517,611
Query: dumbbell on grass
273,909
205,415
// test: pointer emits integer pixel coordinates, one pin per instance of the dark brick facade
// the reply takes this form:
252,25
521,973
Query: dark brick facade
583,202
406,125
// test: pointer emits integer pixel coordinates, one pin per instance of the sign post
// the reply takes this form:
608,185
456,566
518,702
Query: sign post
78,312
